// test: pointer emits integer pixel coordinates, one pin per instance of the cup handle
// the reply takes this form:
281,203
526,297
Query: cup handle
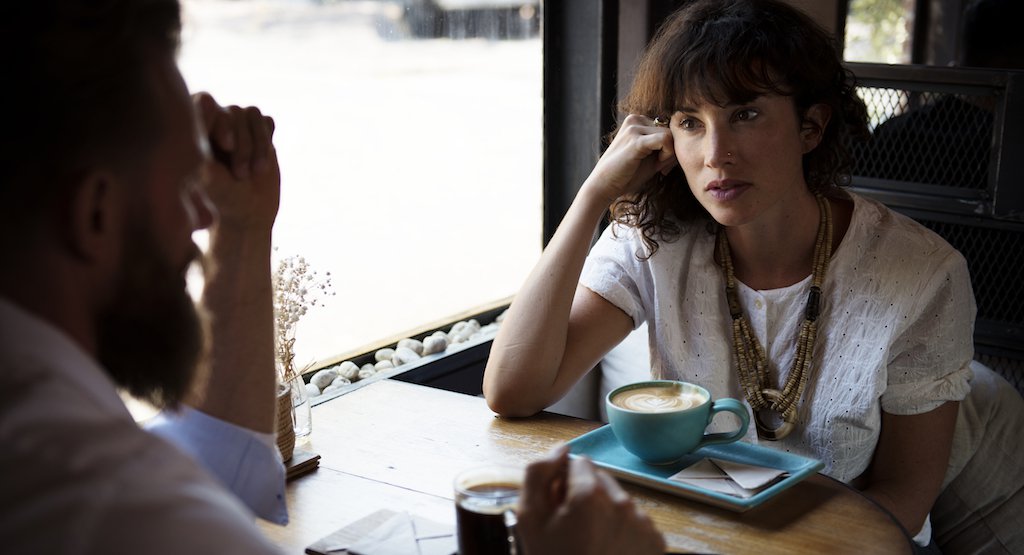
511,522
726,405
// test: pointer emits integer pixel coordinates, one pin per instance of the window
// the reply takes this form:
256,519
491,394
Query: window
410,142
879,31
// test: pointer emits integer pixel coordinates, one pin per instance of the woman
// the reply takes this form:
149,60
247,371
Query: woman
846,327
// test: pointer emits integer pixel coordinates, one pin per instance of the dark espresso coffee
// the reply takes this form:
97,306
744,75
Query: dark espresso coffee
480,517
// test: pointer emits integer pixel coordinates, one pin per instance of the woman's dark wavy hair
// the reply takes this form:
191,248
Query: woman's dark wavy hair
730,52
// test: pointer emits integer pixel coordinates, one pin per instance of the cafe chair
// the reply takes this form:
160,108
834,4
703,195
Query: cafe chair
981,507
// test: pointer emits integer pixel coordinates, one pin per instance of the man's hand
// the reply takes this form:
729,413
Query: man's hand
570,506
242,174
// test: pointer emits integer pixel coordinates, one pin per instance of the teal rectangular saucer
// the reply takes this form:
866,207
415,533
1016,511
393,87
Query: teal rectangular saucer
604,449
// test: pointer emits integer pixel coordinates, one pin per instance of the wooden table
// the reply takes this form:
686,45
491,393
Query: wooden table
394,445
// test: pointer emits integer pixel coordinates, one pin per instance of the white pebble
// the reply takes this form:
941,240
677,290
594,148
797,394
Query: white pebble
414,344
434,344
458,327
323,378
333,388
454,346
364,373
501,317
384,354
490,328
312,390
348,369
340,381
487,331
404,355
381,366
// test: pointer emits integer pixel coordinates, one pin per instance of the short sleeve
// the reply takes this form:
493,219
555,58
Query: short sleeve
929,362
247,463
610,270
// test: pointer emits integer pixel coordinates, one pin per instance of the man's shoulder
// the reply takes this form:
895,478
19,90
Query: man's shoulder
104,485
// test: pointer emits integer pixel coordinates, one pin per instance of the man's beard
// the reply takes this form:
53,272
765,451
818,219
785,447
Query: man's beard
151,335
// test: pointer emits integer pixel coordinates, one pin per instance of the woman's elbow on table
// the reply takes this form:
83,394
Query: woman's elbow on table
508,400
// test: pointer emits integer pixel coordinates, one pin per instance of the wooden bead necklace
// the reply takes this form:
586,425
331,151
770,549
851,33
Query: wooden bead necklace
750,357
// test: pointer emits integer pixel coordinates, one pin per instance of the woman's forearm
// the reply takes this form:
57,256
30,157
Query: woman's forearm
910,463
527,354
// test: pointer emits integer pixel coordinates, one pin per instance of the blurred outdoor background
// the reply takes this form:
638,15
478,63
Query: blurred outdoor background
410,146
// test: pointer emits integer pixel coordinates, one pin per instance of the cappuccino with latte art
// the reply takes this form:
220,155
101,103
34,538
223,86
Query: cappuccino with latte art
661,421
658,399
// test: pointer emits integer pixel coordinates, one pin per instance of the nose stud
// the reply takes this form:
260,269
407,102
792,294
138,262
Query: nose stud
728,154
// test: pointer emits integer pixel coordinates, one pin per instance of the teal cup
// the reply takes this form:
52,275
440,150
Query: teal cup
661,421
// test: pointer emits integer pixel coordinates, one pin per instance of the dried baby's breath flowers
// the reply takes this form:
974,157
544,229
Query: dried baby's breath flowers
297,288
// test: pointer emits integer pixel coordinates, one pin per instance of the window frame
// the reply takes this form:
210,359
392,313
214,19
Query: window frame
585,42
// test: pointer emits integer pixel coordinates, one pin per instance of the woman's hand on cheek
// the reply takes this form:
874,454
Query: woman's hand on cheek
639,151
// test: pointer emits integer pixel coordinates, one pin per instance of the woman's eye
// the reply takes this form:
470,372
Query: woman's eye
746,114
687,123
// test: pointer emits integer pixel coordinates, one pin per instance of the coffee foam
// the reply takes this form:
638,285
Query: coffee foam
657,399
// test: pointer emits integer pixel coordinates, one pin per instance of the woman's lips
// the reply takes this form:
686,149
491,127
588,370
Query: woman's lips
726,189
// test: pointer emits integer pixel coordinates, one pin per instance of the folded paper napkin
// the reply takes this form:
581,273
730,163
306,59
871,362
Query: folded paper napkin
398,534
731,478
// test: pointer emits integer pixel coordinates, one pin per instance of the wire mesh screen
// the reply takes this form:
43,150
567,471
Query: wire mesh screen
926,137
995,258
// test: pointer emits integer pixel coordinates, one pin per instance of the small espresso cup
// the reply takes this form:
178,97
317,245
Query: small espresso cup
661,421
486,499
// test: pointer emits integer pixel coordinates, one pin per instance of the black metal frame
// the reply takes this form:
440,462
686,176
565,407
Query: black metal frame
1004,196
580,53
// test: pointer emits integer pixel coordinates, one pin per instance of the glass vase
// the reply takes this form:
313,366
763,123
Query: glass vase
302,414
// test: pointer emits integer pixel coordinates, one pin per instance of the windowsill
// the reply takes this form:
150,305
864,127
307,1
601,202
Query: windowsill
421,364
485,314
423,367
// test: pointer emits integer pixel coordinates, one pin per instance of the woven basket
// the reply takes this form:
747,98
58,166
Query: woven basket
285,429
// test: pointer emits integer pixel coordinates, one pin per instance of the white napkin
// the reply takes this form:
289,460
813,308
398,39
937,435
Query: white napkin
405,534
728,477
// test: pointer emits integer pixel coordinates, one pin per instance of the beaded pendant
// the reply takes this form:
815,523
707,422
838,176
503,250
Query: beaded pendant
751,361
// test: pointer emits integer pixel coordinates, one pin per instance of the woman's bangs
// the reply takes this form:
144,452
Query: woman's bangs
721,81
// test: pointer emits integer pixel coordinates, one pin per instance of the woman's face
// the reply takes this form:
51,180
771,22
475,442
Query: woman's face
743,162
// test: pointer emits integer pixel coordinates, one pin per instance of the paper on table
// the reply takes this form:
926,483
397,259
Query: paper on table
748,476
730,478
403,534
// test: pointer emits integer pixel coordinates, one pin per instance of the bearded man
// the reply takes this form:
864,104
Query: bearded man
107,167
